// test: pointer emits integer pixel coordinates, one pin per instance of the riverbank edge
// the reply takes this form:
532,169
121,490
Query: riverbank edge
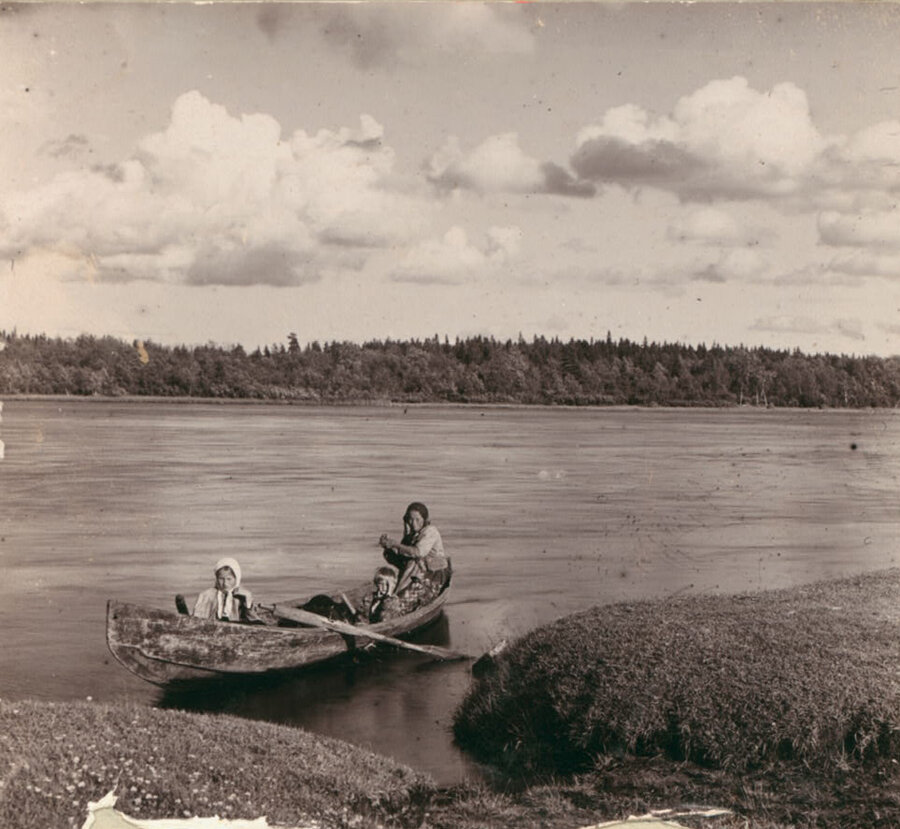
55,757
782,705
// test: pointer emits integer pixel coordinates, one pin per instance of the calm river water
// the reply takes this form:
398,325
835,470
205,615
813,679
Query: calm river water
544,512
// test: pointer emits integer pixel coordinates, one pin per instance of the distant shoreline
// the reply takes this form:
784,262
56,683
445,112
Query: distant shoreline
392,404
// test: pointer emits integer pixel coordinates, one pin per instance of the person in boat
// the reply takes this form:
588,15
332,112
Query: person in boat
382,603
227,601
377,605
419,557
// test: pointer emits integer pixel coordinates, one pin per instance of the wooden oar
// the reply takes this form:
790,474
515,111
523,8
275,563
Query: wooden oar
349,604
296,614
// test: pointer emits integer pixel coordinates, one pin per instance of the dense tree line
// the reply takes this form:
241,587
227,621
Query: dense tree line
474,370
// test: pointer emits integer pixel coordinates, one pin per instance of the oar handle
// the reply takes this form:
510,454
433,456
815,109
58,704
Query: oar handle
297,614
349,604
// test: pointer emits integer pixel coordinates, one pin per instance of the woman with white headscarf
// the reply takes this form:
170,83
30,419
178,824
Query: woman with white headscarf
227,601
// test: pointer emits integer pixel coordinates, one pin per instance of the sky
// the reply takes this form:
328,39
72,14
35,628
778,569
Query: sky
232,173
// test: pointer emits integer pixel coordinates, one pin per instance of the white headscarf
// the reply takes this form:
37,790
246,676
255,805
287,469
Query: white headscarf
226,606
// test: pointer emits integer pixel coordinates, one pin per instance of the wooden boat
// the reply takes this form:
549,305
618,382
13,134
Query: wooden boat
166,647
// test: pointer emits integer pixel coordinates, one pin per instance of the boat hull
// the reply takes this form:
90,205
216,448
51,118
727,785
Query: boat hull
164,647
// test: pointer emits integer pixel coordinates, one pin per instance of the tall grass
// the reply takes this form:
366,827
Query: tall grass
806,677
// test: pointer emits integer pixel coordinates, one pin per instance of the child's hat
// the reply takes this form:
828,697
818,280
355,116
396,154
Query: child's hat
232,565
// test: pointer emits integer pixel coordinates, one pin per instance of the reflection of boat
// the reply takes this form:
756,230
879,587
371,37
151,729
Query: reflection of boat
164,647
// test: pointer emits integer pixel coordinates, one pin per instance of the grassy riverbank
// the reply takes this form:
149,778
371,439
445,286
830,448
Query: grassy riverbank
782,706
55,757
58,756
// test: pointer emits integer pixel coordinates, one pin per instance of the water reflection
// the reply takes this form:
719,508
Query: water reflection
396,702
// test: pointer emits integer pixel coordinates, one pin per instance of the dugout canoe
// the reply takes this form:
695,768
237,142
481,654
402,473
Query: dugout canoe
166,647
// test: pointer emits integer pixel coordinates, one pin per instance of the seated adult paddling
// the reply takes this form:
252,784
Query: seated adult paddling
419,556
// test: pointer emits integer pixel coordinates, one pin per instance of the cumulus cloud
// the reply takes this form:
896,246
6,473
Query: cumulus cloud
387,35
453,259
726,140
216,198
499,164
878,142
730,142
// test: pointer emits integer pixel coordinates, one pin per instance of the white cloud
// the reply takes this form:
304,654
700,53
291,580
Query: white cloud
748,129
453,259
220,199
632,124
725,140
499,165
878,142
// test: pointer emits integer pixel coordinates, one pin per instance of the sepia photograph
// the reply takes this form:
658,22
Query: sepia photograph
448,414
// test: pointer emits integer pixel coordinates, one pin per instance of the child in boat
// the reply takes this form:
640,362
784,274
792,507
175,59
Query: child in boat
381,604
227,601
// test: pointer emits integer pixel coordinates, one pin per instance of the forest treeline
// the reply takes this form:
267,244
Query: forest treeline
473,370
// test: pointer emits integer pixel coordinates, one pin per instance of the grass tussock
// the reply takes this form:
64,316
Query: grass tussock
54,758
806,678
